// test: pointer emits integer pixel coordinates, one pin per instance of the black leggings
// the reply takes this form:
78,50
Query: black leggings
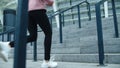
39,17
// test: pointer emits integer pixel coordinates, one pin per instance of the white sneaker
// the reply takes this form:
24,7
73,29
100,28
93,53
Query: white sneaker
49,64
4,50
45,64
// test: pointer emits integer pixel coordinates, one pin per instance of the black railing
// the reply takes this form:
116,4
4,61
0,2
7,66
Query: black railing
72,11
6,33
99,28
61,16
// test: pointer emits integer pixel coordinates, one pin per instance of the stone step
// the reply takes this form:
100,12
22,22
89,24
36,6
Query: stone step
80,50
92,40
85,40
88,29
36,64
84,46
84,58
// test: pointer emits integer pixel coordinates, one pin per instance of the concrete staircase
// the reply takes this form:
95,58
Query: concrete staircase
80,45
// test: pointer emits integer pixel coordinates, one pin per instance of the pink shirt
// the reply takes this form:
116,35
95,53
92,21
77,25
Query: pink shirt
38,4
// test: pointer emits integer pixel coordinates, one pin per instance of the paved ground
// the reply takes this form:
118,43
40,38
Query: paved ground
31,64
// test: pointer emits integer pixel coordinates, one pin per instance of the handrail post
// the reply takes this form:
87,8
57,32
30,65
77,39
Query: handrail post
79,17
100,34
3,37
60,29
63,22
89,10
72,12
8,37
21,34
115,19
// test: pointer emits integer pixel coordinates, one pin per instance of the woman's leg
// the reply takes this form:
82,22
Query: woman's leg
44,23
45,26
32,28
5,47
41,18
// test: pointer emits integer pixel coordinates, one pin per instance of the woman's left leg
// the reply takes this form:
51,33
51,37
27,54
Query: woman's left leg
46,27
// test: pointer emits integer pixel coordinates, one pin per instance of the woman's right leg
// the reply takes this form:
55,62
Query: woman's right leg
32,28
5,47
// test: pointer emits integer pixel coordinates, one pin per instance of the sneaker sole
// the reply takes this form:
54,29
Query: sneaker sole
3,57
53,67
49,67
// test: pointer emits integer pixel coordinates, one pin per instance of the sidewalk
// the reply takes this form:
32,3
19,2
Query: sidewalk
32,64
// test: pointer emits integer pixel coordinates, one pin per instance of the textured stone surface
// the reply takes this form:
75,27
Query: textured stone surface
32,64
80,45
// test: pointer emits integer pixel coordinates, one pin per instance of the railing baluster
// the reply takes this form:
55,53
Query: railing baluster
20,34
79,17
3,37
60,29
99,34
115,20
72,11
8,37
99,28
63,22
89,10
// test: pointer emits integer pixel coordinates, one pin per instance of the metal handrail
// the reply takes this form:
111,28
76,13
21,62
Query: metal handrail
62,11
7,32
61,16
99,28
